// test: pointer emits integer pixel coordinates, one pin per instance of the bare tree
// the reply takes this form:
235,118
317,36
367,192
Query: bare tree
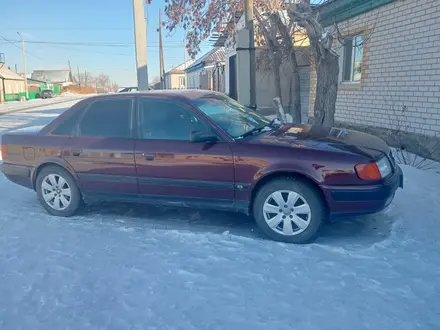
103,80
325,60
200,18
277,32
115,87
155,80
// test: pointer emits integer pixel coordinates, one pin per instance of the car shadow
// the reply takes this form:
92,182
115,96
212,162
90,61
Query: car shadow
348,232
362,230
175,218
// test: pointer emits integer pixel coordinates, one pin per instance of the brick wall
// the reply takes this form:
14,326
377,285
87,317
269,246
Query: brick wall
400,85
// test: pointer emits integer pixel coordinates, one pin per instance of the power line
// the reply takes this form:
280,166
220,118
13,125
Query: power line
91,44
27,52
87,44
73,46
81,44
70,48
69,28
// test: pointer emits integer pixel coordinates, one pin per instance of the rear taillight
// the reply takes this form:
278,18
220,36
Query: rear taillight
368,171
4,151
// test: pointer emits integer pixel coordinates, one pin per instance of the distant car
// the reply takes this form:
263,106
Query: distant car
47,94
202,149
132,89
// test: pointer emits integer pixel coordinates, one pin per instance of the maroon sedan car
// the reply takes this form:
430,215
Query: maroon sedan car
202,149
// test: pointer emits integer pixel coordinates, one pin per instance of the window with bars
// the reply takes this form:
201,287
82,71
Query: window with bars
353,52
182,81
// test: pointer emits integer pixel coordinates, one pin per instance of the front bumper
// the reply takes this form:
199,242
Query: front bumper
19,174
363,199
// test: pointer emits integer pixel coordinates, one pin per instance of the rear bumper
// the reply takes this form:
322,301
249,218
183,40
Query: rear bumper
19,174
363,199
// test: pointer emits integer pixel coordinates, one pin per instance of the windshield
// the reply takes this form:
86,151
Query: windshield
234,118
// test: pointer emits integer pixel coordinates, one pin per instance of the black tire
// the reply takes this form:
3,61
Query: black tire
308,192
75,198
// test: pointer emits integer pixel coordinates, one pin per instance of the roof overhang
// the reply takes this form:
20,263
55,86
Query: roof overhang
192,68
335,11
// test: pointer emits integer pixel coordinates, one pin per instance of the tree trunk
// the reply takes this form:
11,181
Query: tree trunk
295,91
327,73
276,63
294,87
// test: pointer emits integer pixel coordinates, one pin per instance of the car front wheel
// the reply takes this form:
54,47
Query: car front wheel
289,210
57,191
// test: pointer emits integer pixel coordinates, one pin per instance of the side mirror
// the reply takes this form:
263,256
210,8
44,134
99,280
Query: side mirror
197,137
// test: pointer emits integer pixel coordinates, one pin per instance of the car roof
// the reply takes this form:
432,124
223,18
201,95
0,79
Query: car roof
166,93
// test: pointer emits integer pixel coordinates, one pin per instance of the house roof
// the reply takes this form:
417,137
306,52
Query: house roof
175,71
180,69
214,55
7,74
53,76
37,82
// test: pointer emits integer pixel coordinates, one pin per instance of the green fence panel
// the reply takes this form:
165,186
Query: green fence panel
33,95
12,97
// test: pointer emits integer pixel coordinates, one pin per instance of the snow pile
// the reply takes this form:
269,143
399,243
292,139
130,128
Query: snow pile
68,94
289,118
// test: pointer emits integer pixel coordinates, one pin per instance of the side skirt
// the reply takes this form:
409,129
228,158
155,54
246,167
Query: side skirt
170,201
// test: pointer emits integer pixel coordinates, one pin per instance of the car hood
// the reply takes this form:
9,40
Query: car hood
326,139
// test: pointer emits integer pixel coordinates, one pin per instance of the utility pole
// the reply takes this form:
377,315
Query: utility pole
16,69
2,81
161,64
2,96
85,78
70,71
140,36
249,18
184,61
23,56
79,77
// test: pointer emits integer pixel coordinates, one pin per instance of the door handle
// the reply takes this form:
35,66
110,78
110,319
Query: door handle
76,152
148,156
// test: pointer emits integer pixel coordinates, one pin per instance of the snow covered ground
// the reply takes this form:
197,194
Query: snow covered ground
35,116
14,106
140,267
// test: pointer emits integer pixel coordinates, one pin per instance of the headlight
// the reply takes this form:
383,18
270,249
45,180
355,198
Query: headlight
374,171
384,167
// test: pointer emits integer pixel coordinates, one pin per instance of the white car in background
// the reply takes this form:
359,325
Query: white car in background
131,89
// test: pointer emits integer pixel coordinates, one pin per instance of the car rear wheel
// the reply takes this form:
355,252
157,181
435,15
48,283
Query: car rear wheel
289,210
57,191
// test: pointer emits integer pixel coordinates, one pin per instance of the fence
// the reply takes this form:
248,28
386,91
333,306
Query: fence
31,95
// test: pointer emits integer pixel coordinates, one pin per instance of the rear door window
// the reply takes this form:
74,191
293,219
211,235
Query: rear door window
108,119
66,128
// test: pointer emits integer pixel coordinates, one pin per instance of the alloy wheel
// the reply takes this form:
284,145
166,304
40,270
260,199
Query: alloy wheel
56,192
287,212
